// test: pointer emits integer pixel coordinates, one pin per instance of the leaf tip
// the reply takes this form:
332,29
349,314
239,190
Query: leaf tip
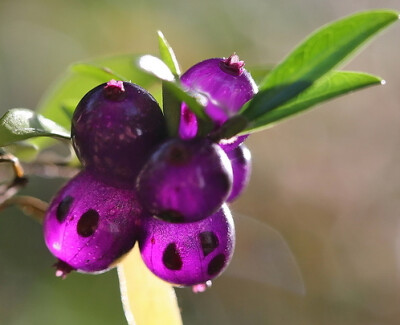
160,34
156,67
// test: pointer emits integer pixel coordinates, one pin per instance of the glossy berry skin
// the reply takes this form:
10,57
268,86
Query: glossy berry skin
240,159
223,85
115,127
185,180
90,224
191,253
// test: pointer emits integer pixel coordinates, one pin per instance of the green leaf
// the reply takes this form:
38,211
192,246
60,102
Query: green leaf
158,70
176,90
259,73
333,85
155,68
317,55
168,55
98,72
19,124
146,299
171,104
171,109
82,77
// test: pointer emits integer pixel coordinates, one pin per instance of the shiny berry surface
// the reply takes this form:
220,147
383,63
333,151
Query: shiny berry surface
185,181
191,253
223,85
115,127
89,224
240,159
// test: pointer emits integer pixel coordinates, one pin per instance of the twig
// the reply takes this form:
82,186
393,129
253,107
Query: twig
31,206
19,181
50,170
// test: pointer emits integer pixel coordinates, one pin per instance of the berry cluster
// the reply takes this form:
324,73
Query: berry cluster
138,184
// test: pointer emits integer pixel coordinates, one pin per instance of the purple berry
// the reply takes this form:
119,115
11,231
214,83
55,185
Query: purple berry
224,85
191,253
240,158
115,127
185,180
89,224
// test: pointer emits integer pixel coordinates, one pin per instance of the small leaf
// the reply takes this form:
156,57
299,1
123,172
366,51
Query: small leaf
190,100
171,104
230,128
101,73
79,79
321,52
160,71
19,124
146,299
333,85
168,55
271,98
74,84
172,110
156,67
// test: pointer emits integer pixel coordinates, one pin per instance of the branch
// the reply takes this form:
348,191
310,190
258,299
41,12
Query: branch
31,206
9,190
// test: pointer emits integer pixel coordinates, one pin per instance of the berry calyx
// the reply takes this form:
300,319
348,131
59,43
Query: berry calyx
114,90
63,269
232,65
201,287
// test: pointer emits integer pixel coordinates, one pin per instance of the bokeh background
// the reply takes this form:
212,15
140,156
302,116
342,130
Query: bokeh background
328,181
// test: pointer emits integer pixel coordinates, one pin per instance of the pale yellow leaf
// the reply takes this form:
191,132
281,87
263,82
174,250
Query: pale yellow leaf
146,299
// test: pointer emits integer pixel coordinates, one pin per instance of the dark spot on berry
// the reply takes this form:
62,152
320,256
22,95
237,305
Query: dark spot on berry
177,155
216,264
88,223
171,216
153,240
63,208
171,258
209,242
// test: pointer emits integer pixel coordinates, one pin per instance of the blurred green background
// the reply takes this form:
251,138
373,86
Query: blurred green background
328,181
